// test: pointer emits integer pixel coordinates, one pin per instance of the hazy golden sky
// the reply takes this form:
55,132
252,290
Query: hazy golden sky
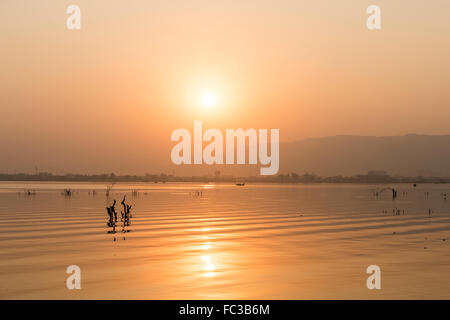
107,97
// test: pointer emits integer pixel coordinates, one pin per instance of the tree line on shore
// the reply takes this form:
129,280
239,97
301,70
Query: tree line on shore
370,177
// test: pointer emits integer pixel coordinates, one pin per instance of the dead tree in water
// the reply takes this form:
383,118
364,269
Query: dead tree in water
124,208
394,194
109,188
126,213
112,214
113,210
30,192
111,217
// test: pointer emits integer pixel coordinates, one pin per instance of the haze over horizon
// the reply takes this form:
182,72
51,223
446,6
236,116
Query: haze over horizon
106,98
342,155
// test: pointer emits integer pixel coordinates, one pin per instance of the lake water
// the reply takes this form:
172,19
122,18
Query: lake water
221,241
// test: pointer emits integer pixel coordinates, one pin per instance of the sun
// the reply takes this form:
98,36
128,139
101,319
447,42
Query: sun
209,100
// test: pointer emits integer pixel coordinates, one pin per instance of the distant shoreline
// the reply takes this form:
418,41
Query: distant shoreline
369,178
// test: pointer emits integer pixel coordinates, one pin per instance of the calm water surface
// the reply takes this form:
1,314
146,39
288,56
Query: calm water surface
206,241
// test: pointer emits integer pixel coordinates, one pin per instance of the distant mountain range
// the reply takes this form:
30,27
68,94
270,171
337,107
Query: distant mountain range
409,155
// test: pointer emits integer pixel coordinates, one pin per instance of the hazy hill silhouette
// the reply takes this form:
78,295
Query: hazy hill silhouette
408,155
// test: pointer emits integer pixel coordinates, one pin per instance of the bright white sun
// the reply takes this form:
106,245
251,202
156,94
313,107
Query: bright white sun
209,100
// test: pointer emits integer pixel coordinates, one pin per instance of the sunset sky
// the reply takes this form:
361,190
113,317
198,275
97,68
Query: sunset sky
107,97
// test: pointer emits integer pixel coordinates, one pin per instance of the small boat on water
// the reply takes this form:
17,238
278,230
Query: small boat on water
241,184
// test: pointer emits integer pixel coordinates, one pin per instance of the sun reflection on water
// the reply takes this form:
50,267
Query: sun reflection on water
208,265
